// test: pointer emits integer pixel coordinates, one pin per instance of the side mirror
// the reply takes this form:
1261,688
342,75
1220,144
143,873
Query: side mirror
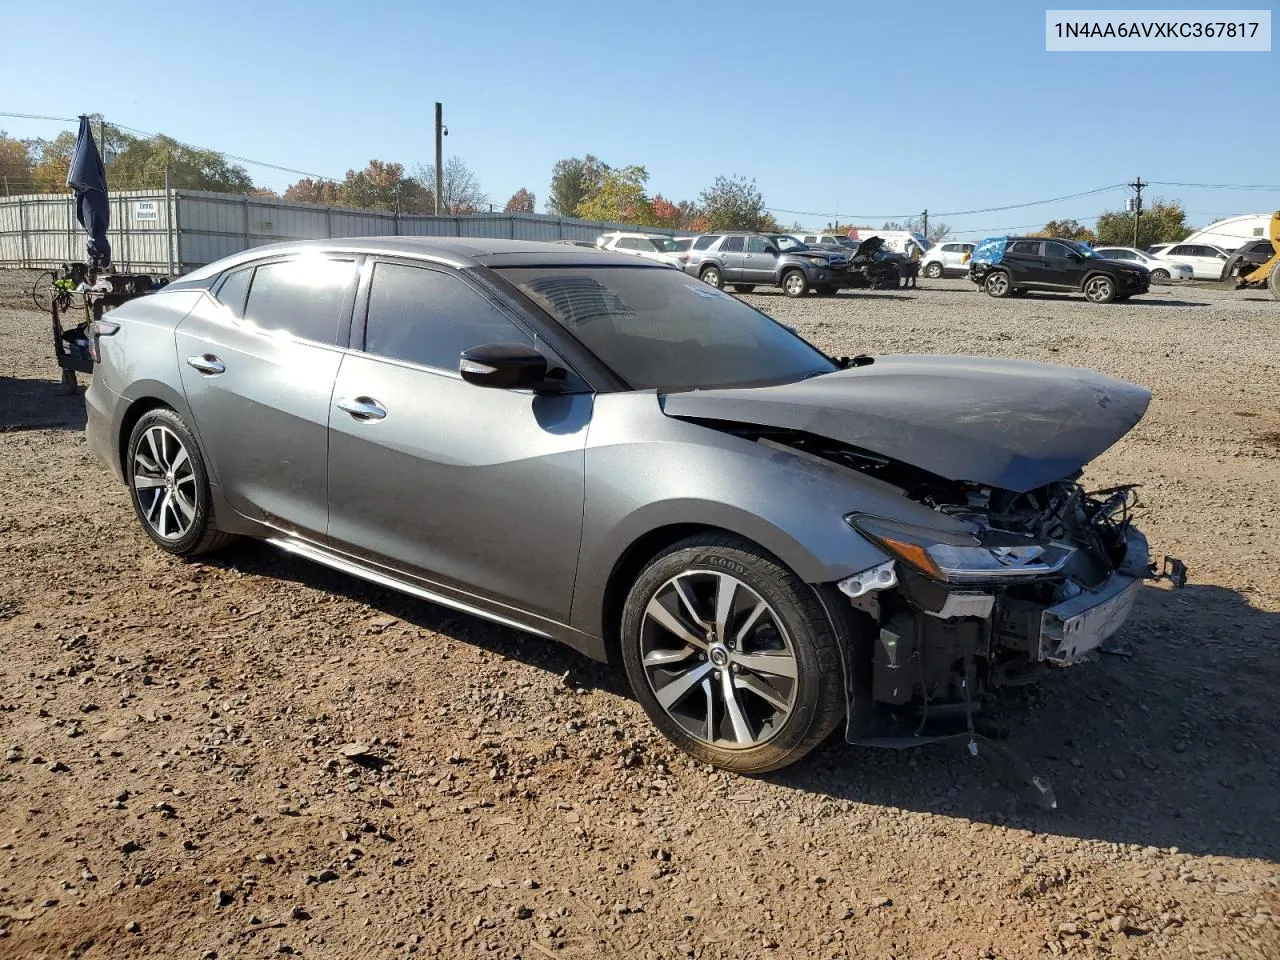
503,365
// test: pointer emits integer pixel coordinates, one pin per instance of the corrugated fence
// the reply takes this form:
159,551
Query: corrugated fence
172,233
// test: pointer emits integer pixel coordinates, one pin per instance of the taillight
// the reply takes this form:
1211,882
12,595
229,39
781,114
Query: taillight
100,328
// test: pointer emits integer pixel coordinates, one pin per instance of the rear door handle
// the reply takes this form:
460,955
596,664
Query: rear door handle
362,408
207,364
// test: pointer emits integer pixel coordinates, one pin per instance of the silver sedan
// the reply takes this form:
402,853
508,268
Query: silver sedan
605,452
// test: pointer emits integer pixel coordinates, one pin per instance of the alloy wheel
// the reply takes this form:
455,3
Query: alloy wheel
712,278
165,483
718,659
1098,289
998,284
794,284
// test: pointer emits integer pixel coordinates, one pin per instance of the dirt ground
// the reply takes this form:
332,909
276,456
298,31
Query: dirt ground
251,756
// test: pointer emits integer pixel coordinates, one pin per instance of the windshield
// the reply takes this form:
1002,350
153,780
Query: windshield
661,244
1084,250
788,244
659,329
846,242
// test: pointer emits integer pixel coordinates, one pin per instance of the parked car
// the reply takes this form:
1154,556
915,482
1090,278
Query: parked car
1157,248
745,260
1206,262
873,267
595,449
650,246
945,259
1012,266
1161,270
1248,258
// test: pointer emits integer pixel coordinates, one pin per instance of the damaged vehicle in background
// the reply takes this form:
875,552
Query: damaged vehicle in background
598,450
1014,266
873,267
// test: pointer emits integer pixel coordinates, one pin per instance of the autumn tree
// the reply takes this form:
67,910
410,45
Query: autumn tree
522,201
735,203
384,186
1161,222
307,190
15,165
1066,230
664,212
461,192
689,213
50,160
619,197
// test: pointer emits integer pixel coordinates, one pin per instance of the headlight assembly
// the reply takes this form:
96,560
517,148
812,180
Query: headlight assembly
964,558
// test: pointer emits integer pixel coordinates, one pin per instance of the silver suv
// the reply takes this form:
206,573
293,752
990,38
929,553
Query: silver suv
746,260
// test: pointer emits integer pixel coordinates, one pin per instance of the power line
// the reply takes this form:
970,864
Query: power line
949,213
1215,186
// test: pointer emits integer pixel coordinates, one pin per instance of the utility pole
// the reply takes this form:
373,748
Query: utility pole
439,154
1136,203
924,222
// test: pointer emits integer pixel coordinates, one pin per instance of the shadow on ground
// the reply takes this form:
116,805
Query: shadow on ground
1171,745
30,404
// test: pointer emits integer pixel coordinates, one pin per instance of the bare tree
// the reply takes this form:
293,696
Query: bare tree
461,188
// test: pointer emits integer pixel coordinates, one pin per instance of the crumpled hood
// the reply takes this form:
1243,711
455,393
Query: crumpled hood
1012,424
869,246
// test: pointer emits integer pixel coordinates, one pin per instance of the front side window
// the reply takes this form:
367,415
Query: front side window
755,244
658,329
302,297
428,317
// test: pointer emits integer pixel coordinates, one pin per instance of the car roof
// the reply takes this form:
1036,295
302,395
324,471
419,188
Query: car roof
454,251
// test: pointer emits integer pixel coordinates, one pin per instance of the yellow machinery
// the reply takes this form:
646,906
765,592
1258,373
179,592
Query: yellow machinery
1267,275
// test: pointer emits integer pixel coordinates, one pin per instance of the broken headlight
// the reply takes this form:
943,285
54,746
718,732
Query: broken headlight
964,558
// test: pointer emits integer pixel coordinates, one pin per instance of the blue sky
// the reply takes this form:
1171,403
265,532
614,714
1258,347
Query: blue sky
861,109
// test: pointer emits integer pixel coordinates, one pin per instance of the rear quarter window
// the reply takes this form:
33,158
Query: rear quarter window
702,243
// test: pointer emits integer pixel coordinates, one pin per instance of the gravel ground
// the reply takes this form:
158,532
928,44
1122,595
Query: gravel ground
253,756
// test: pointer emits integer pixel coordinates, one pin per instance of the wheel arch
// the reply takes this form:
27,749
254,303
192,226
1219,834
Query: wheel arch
143,397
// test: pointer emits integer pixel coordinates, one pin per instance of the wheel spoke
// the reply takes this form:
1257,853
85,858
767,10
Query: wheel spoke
677,689
726,590
733,709
143,482
660,615
709,733
156,457
759,609
753,683
186,508
179,459
665,658
774,664
164,515
686,601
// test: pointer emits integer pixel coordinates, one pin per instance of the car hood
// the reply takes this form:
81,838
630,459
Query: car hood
1012,424
869,246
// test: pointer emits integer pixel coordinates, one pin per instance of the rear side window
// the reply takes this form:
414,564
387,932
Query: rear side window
428,317
303,297
702,243
235,285
627,243
732,245
1025,248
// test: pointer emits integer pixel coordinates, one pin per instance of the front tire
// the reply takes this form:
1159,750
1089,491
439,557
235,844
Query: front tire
1100,289
997,284
169,485
795,283
933,271
731,655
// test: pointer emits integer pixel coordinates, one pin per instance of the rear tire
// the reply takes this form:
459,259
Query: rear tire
744,288
712,277
795,283
169,485
1160,275
752,689
1273,281
997,284
933,271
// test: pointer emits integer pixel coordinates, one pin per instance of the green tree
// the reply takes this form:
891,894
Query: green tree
522,201
618,197
735,203
140,163
572,181
50,160
1066,230
1161,222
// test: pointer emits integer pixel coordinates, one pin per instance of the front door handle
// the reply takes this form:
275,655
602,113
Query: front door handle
362,408
207,364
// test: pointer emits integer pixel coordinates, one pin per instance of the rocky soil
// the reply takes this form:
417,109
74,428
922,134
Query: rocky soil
252,756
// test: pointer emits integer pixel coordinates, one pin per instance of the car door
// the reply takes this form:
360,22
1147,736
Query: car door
1024,259
1062,267
1203,264
258,378
758,265
477,489
732,252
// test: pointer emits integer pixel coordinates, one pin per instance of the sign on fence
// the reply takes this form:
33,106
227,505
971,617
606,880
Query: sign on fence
146,210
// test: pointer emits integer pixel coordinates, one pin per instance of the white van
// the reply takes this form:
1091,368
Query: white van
897,241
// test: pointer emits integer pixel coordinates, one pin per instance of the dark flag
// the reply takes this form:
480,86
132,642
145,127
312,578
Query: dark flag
87,177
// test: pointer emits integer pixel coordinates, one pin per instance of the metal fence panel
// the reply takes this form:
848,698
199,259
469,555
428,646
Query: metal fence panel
159,233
